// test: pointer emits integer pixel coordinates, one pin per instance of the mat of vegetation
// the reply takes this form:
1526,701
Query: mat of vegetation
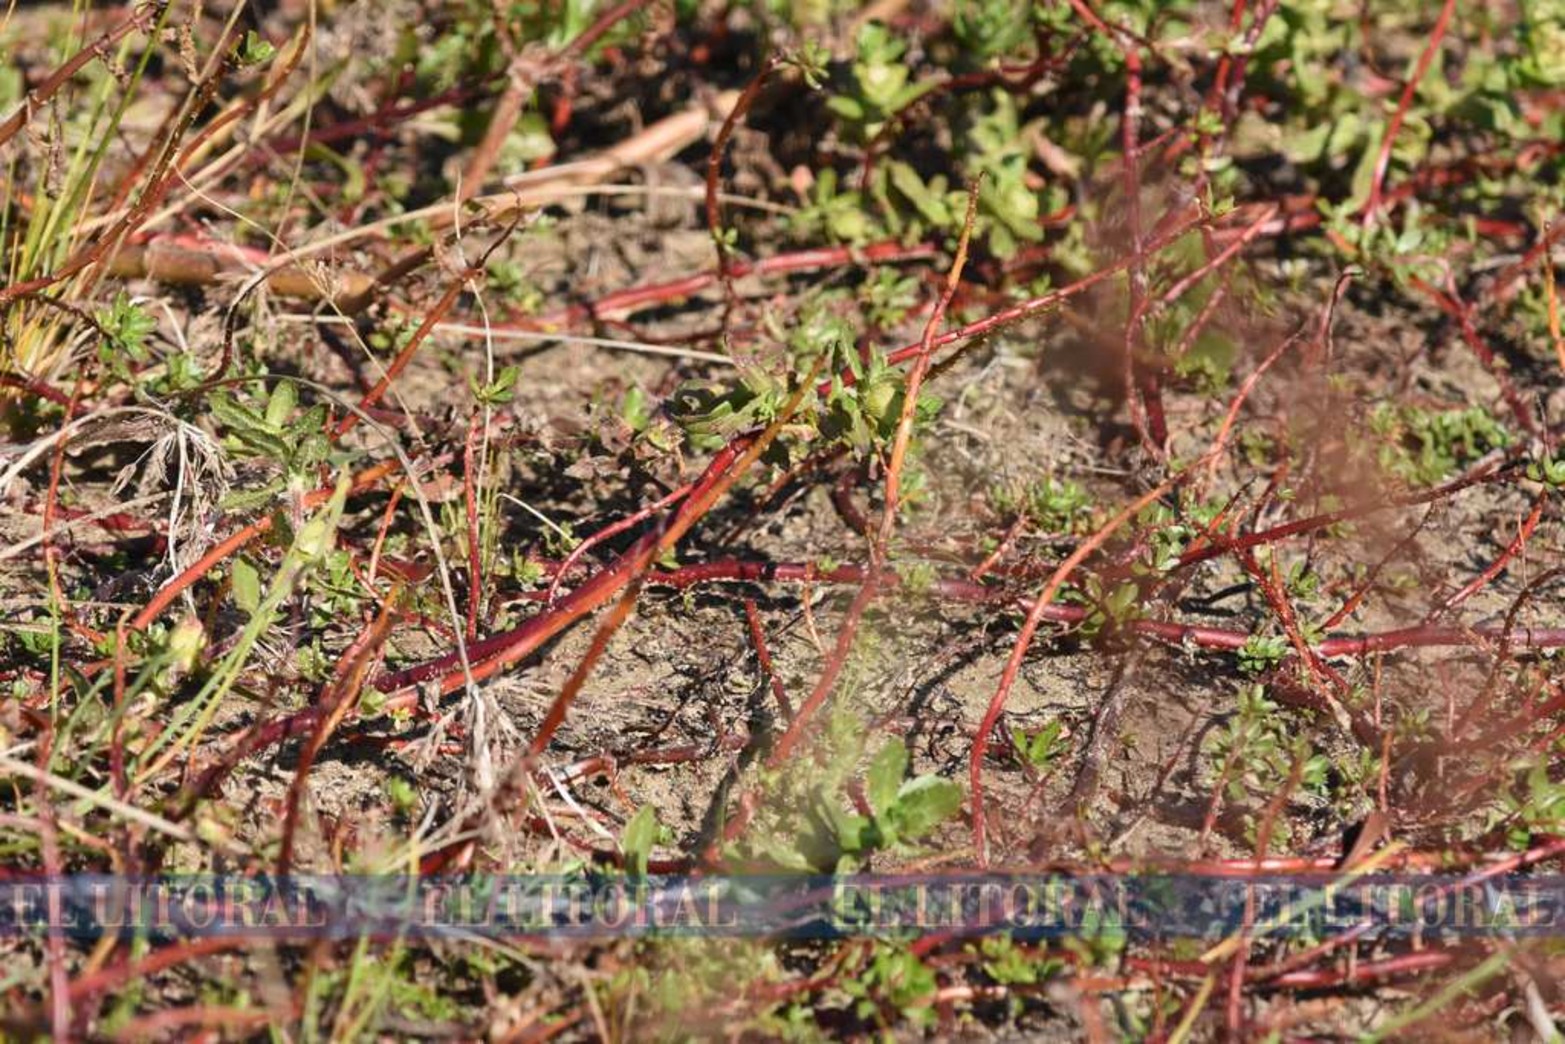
782,437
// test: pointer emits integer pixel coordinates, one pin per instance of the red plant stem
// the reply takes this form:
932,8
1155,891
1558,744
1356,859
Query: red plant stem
614,529
1202,320
714,172
405,356
170,956
167,1024
1035,616
1250,233
1551,298
34,386
116,743
915,380
1225,429
1225,63
1479,582
1314,953
1046,301
475,582
600,27
629,575
1365,971
1012,531
1353,601
1388,142
583,670
431,319
1540,254
1451,303
1215,545
828,679
1092,18
764,656
1486,693
376,548
252,742
238,539
491,655
39,96
377,123
1143,393
1277,599
523,72
963,590
625,302
335,704
881,540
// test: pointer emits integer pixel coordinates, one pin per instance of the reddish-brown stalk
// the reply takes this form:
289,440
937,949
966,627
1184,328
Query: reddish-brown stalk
492,655
763,656
335,704
1552,298
612,530
37,98
714,171
1514,548
220,551
475,577
880,541
1035,616
162,179
625,302
1389,138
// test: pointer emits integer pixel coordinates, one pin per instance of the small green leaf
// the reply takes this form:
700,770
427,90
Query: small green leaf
923,804
885,776
256,50
280,406
246,583
640,833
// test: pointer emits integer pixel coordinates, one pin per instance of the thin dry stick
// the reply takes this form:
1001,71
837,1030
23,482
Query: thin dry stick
763,656
1515,547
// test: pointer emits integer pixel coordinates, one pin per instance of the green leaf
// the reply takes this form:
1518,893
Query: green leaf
246,583
232,413
128,326
923,804
640,833
931,207
256,50
280,406
852,833
318,535
885,776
